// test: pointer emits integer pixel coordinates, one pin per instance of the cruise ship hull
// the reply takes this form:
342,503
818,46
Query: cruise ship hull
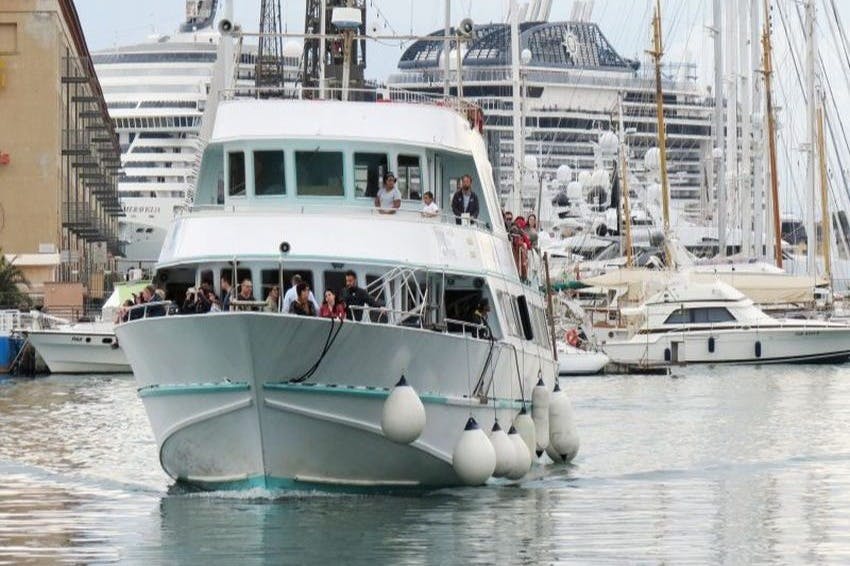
802,343
80,349
226,412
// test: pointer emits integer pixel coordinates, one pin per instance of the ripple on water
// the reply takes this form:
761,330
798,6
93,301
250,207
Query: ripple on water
717,465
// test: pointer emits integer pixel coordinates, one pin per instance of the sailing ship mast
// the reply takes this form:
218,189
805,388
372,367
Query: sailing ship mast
624,184
824,204
771,136
656,53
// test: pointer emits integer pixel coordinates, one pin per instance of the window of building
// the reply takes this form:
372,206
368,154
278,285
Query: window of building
369,169
409,177
319,173
236,169
268,173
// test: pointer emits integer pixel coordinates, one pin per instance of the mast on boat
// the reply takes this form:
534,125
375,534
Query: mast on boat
719,131
656,53
811,115
824,205
767,49
624,185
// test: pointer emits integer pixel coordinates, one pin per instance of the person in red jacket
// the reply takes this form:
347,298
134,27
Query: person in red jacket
331,307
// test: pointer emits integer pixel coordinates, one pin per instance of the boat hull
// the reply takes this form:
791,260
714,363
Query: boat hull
767,345
79,351
572,361
225,412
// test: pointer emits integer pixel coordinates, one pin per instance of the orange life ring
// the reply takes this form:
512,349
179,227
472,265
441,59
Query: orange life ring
571,337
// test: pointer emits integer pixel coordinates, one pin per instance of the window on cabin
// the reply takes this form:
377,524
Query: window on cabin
335,281
241,275
511,318
369,169
708,315
268,279
409,177
236,172
268,173
319,173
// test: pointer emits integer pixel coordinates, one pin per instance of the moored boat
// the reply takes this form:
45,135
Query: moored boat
714,323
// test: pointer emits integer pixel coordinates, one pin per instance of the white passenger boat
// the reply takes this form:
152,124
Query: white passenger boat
245,398
714,323
83,347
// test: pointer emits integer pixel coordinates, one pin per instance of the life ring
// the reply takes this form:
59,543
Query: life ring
571,337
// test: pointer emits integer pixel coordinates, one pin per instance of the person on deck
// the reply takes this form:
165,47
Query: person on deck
355,297
465,201
388,199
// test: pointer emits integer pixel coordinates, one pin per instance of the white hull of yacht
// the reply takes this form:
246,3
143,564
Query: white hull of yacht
574,361
217,389
80,348
799,342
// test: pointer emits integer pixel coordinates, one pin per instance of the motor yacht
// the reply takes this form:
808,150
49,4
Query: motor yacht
690,322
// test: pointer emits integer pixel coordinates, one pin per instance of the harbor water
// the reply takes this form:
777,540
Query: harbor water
711,465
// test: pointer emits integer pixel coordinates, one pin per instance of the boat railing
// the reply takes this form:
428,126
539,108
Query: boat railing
410,210
415,318
34,320
150,310
467,109
10,319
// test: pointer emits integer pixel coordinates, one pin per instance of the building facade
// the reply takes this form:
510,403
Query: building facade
59,154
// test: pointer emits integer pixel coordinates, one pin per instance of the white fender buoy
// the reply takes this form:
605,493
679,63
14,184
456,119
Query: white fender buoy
522,458
563,438
525,427
540,415
473,459
504,449
403,418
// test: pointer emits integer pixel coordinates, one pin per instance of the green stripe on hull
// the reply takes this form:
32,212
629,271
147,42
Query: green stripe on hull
383,393
288,484
193,388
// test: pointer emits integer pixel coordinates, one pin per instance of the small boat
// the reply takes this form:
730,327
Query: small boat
690,322
84,347
576,361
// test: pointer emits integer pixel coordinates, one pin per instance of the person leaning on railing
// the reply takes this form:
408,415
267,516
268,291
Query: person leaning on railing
465,201
355,297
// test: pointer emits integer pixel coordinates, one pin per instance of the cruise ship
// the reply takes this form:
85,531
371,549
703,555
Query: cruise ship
574,85
156,92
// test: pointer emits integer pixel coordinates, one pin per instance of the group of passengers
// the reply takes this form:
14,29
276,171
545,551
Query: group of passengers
298,299
464,201
523,235
149,294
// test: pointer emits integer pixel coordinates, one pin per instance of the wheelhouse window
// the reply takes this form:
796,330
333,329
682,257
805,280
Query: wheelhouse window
409,177
236,173
268,173
369,169
707,315
319,173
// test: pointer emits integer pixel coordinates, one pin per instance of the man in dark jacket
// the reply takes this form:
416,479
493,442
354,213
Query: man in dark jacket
464,200
354,296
